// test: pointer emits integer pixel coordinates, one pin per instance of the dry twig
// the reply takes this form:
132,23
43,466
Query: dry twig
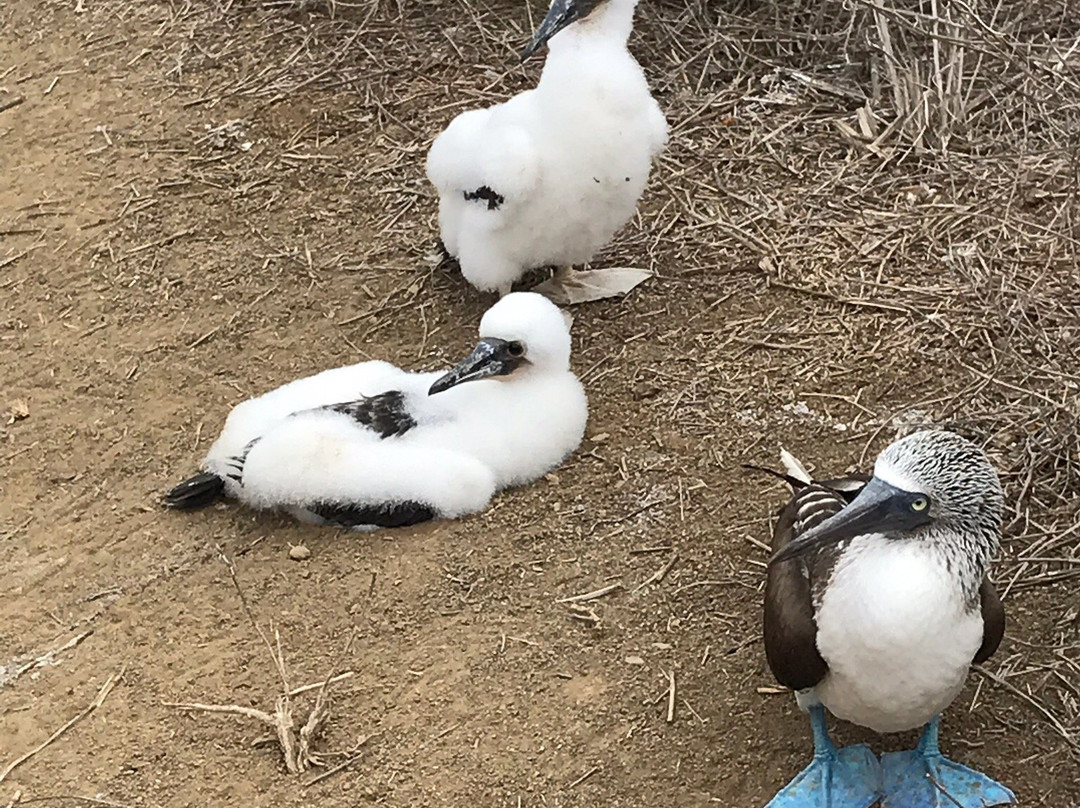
295,743
102,694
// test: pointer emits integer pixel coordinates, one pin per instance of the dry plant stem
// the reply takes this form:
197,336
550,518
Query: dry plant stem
295,745
595,594
1042,708
274,653
659,575
333,680
283,722
251,712
42,659
103,693
584,777
76,798
320,713
343,765
226,709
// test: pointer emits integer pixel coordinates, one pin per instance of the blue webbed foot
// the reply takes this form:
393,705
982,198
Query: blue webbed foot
836,778
924,778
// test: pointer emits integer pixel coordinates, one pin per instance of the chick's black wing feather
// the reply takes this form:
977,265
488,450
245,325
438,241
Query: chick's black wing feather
485,195
395,514
386,413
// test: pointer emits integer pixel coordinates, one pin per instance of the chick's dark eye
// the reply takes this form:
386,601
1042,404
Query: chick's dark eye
920,504
516,349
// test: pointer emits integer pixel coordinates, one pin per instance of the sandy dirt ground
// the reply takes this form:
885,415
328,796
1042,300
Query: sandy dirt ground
199,202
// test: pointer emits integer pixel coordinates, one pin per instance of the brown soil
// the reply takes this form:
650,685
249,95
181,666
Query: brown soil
159,266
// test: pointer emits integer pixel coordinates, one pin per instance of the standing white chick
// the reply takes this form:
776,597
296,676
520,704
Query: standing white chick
548,177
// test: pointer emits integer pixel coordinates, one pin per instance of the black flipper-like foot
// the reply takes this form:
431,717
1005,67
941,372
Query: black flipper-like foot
195,492
446,260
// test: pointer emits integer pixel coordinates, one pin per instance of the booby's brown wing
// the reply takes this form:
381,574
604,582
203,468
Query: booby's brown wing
790,629
993,615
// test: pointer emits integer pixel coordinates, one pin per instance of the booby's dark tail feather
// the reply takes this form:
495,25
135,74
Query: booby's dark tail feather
848,487
794,482
195,492
392,514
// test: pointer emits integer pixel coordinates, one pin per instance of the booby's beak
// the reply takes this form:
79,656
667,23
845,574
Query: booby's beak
491,357
560,15
878,508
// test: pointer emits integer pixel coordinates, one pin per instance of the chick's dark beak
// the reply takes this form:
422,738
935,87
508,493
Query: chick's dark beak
560,15
491,357
878,508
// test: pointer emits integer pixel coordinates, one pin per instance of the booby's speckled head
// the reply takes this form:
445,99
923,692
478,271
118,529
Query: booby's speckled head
930,478
523,330
561,14
951,472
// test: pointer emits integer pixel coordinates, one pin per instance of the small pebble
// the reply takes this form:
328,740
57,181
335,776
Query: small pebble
299,552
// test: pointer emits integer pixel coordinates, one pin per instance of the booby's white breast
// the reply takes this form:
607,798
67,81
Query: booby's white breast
896,633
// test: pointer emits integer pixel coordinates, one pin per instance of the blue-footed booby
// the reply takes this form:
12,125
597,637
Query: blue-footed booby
548,177
877,602
372,445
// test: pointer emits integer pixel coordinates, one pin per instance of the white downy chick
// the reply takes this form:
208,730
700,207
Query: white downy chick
548,177
372,445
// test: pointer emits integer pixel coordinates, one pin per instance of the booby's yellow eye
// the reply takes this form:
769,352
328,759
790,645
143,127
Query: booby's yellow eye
920,504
